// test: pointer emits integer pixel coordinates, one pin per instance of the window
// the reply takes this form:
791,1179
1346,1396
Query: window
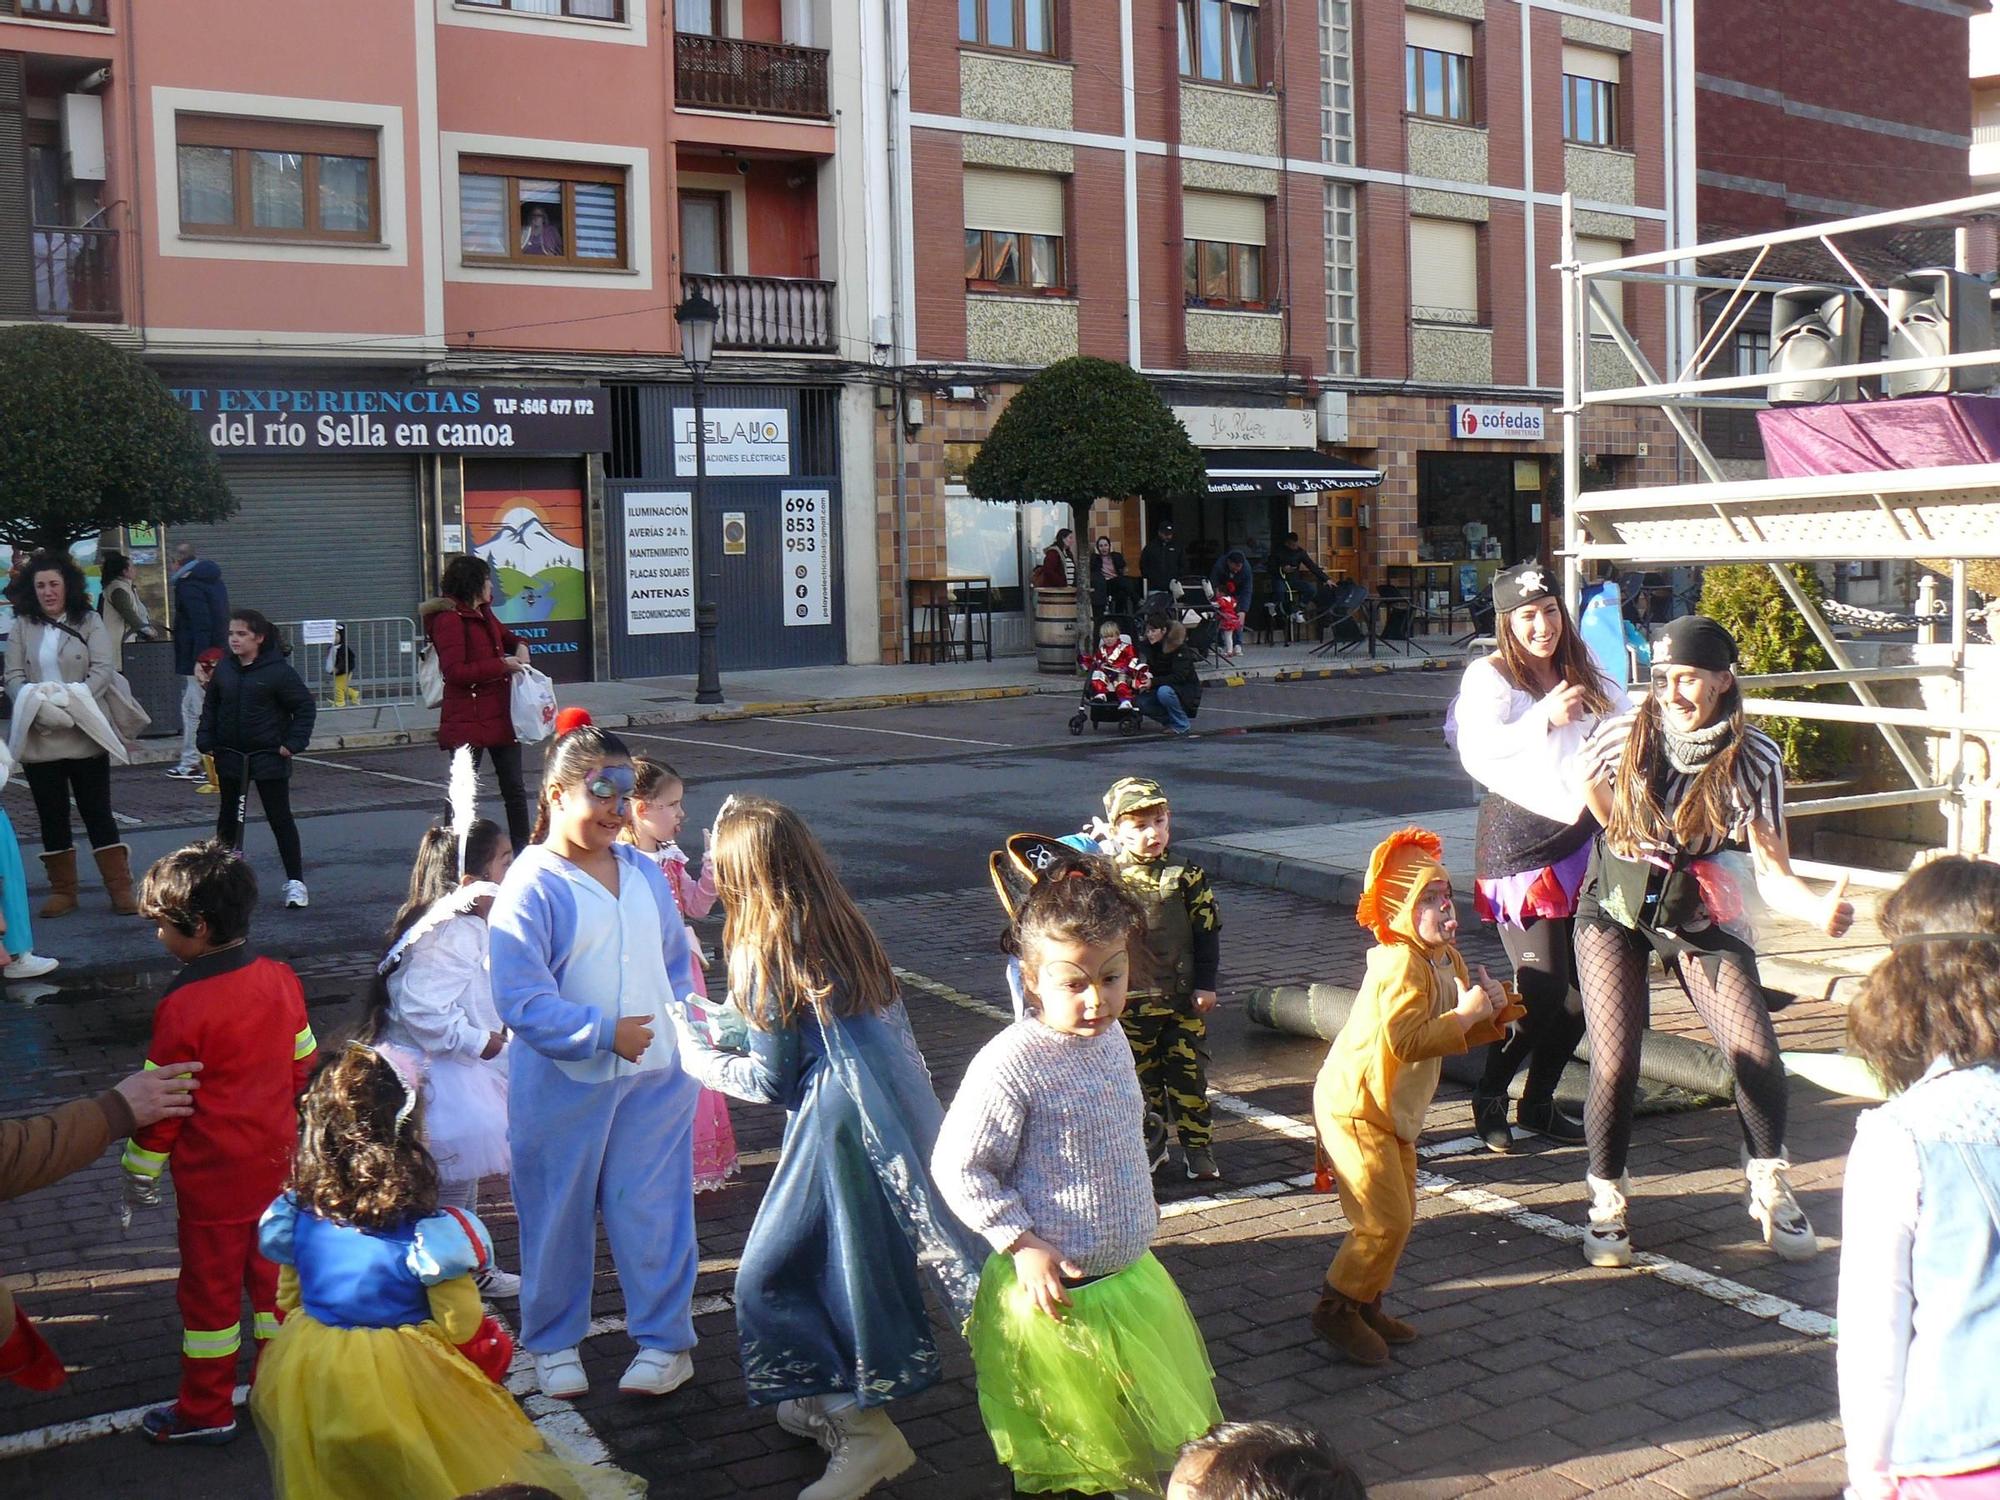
1437,68
1444,271
1011,25
541,213
1014,232
268,180
1588,249
1753,351
1219,41
1224,254
1590,97
576,10
705,234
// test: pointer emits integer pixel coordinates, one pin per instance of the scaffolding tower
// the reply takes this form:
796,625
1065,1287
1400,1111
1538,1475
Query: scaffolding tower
1946,516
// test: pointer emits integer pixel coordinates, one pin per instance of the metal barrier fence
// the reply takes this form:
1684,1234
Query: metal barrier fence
384,674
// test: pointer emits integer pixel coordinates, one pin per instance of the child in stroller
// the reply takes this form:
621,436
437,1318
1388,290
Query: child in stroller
1117,674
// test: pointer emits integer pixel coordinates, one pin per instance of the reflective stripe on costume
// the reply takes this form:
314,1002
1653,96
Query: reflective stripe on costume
266,1326
212,1343
142,1163
303,1044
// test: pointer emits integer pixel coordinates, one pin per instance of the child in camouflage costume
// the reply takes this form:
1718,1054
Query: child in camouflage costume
1174,989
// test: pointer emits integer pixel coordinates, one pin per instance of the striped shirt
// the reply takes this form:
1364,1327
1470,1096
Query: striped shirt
1756,795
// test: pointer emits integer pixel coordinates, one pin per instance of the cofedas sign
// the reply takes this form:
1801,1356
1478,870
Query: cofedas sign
1516,424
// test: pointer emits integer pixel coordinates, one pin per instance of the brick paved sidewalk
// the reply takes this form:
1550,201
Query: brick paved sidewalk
1537,1375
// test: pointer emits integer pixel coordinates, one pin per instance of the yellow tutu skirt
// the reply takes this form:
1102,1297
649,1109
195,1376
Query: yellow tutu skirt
398,1412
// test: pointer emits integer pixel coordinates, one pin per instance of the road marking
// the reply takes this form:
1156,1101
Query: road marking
1258,713
85,1429
681,739
341,765
817,722
1785,1313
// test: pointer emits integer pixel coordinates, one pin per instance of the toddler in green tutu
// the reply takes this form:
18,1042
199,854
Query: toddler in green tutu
1091,1370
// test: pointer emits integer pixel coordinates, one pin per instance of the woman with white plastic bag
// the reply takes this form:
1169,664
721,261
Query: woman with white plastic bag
532,704
479,658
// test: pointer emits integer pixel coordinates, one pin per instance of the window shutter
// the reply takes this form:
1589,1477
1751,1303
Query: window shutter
1438,33
1444,268
17,273
1023,202
1590,248
1230,218
1588,62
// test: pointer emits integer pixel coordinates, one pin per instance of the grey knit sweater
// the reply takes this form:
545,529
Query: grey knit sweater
1047,1134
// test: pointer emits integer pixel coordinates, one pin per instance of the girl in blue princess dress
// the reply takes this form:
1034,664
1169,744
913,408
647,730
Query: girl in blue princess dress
590,962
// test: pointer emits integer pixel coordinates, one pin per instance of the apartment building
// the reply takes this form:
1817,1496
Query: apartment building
414,264
1325,230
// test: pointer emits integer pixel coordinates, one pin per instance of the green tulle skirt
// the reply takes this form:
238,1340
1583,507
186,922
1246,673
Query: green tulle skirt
1101,1400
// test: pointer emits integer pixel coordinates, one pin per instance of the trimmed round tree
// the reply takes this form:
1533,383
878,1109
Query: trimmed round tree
1082,430
91,440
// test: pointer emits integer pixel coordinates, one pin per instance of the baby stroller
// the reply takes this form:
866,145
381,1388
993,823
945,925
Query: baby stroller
1093,711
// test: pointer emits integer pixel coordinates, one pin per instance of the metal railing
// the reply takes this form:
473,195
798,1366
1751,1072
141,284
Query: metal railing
385,662
76,273
77,12
769,312
756,78
1985,135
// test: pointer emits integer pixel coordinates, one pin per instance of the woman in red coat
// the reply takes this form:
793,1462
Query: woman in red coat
479,657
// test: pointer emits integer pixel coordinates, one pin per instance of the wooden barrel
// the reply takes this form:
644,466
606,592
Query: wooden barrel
1055,631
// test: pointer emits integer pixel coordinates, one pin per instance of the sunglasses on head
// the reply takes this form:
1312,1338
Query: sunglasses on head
611,784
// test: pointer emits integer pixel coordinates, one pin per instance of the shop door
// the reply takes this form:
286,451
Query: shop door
1342,549
1467,502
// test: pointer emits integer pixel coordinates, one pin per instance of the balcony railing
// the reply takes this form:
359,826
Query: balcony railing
76,274
754,78
78,12
769,312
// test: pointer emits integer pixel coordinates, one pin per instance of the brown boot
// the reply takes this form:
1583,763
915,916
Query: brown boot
1338,1320
62,884
1393,1330
114,863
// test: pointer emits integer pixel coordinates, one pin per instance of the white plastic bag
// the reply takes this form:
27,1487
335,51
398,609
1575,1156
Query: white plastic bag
534,706
430,677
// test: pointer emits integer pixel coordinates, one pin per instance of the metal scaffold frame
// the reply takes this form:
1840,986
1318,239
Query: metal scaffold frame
1946,515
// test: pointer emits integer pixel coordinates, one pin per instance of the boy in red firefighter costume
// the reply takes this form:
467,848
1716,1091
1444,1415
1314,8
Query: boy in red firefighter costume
244,1019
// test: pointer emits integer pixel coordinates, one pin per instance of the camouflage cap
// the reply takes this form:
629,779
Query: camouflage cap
1130,793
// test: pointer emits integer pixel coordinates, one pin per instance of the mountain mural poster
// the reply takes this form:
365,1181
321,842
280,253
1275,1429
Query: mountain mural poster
533,539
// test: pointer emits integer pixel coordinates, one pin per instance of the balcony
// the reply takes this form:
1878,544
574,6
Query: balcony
753,78
76,12
76,274
782,314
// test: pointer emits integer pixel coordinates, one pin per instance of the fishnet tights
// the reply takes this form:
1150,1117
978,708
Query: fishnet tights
1611,970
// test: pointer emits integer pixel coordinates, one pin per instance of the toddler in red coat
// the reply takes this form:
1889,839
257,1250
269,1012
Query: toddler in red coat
1118,674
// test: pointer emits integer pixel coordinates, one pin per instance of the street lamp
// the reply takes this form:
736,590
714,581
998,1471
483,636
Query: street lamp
697,317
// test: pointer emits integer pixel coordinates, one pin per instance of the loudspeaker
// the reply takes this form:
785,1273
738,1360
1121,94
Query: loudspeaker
1813,328
1936,312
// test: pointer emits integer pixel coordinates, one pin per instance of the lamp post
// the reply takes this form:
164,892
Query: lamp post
697,317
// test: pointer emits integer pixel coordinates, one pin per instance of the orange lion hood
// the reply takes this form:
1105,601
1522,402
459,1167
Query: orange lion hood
1401,867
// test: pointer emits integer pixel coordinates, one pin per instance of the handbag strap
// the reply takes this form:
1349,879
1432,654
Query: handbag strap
464,1219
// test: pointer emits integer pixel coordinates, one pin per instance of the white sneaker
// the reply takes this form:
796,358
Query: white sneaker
1768,1196
867,1450
654,1372
188,773
494,1283
29,965
802,1418
561,1374
295,894
1605,1242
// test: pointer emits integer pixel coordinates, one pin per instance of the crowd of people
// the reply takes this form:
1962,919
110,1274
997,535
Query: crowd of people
544,1010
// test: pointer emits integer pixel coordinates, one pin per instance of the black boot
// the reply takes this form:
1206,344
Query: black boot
1541,1117
1489,1119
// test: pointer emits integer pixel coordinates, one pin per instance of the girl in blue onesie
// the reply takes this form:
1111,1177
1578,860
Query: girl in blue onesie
590,961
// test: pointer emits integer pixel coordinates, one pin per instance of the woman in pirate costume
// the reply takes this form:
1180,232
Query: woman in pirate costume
1674,782
1521,719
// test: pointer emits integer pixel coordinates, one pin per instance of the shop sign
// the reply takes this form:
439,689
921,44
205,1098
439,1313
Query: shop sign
735,440
659,563
395,419
1508,424
1248,426
808,557
735,534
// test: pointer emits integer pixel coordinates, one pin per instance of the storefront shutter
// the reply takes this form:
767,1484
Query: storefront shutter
1438,33
17,275
1444,267
1022,202
1590,248
1231,218
1588,62
319,538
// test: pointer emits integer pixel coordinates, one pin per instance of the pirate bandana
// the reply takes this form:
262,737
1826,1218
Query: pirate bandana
1695,641
1524,583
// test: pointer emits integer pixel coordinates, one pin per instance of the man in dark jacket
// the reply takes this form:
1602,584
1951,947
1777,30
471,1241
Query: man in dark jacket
1162,561
201,623
1175,696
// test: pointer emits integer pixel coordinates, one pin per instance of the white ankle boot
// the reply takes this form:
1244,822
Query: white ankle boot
1605,1242
804,1418
1768,1196
867,1449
